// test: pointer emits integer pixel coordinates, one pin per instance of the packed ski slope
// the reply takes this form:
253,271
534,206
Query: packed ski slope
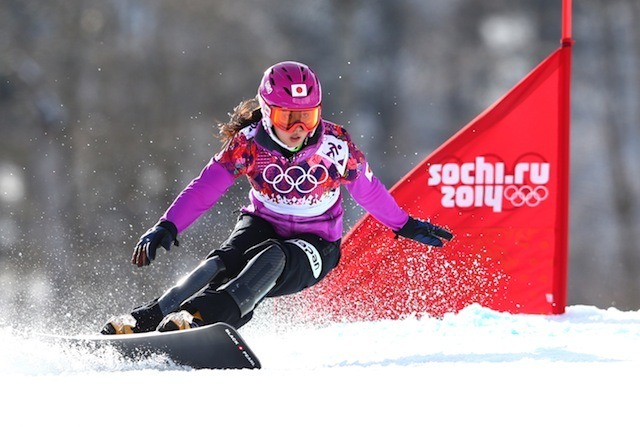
477,367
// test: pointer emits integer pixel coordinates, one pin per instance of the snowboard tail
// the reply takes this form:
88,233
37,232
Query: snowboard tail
217,346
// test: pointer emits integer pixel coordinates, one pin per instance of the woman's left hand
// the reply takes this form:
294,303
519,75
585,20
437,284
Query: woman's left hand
424,232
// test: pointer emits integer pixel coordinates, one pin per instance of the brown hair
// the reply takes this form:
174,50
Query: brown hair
244,114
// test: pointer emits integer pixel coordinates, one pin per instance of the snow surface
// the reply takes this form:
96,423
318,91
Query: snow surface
476,367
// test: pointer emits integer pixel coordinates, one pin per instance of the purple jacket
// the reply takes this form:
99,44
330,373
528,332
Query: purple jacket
296,195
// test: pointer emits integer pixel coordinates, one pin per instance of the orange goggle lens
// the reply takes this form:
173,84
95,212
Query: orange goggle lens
286,119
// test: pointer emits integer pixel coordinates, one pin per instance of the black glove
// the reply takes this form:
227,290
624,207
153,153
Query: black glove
162,234
424,232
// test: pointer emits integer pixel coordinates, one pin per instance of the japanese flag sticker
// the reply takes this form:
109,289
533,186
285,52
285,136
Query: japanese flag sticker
298,90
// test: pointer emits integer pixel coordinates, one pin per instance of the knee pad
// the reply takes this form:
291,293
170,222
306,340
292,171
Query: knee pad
315,260
256,280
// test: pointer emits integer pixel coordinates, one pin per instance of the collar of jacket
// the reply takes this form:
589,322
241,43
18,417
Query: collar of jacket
264,139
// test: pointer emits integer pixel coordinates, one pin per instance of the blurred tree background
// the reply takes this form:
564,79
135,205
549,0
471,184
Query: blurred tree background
109,107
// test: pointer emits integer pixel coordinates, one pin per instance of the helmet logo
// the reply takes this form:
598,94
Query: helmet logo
299,90
267,86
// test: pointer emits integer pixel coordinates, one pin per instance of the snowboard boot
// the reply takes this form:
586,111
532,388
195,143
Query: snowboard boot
117,325
180,320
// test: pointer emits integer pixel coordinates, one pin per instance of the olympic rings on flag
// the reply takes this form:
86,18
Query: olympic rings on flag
525,195
295,178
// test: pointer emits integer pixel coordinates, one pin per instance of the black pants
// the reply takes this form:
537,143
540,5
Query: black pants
309,258
250,236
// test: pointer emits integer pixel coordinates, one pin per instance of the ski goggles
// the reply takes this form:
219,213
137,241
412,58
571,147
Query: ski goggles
285,119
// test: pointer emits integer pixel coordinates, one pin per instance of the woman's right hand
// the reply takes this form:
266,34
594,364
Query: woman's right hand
162,234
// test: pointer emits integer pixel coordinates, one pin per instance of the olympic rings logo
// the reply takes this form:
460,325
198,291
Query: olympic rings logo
294,178
525,195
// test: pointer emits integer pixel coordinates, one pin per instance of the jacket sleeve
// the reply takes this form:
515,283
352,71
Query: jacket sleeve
200,195
373,196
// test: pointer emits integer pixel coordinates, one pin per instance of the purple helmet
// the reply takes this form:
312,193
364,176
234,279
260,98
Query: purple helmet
290,85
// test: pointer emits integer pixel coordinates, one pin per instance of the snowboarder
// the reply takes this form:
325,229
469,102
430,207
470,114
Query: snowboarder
288,237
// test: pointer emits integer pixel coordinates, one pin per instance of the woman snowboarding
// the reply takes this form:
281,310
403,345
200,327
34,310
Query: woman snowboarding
288,236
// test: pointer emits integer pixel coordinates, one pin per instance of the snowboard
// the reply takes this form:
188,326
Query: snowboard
217,346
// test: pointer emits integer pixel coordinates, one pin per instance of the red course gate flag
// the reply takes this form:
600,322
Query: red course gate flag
501,185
